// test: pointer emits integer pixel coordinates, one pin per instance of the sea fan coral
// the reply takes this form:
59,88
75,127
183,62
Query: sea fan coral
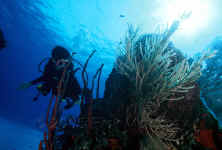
148,63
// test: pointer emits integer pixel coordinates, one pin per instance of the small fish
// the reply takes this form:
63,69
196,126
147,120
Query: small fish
121,16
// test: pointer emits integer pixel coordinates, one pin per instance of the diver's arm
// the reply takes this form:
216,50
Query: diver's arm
28,84
38,80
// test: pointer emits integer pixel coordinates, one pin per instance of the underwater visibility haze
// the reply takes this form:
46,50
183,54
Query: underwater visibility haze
67,64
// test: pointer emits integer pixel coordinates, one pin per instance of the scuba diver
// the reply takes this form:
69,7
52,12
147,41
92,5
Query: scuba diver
52,74
2,40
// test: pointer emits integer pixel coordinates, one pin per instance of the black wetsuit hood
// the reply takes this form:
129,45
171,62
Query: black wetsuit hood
60,53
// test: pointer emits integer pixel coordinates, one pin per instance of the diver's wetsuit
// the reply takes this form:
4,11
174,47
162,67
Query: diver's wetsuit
51,77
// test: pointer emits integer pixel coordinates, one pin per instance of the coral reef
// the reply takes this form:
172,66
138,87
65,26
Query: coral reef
151,101
211,81
159,75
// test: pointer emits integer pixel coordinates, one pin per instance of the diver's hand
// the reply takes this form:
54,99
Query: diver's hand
24,86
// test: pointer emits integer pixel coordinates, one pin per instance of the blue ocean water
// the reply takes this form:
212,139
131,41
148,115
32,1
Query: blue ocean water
33,28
